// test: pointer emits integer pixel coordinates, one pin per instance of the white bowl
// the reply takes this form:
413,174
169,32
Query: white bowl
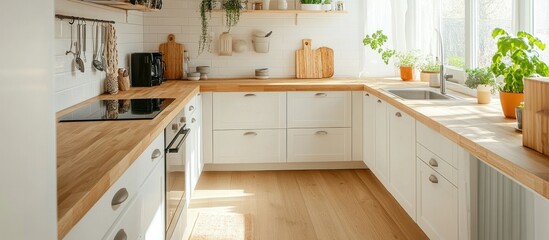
194,78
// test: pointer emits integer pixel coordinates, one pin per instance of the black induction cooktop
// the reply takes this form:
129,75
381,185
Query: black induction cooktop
118,109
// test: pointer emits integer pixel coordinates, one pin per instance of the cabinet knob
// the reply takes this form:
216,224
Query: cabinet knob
433,179
182,120
198,94
379,101
250,134
191,108
120,197
156,154
433,162
249,95
367,94
175,126
121,235
321,133
193,120
321,94
398,114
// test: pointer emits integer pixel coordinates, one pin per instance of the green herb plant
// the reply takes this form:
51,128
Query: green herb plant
517,57
311,1
327,2
232,12
377,42
206,7
408,59
429,63
480,76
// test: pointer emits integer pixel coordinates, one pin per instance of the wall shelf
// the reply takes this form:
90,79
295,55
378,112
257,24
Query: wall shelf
122,4
293,12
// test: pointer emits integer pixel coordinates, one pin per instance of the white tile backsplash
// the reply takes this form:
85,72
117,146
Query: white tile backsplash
338,31
72,86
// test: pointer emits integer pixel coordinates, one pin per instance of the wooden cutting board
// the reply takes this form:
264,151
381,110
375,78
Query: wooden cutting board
308,62
327,56
173,57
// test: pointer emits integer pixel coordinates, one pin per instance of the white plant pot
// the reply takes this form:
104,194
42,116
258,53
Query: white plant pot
311,7
266,4
427,76
282,4
261,44
327,7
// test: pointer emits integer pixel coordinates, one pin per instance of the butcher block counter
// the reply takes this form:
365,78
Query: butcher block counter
91,156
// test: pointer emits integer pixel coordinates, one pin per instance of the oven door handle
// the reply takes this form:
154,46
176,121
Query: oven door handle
185,133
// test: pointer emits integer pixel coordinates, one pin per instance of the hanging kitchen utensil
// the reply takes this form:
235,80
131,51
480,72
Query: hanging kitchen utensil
96,63
78,60
103,49
70,50
308,61
84,29
172,54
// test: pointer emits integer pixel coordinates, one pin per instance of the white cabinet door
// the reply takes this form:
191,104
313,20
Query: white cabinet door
437,204
153,222
319,109
249,110
250,146
357,126
402,159
381,169
369,130
319,145
207,127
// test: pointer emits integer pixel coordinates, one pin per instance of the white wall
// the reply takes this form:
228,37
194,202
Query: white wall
72,86
342,32
28,206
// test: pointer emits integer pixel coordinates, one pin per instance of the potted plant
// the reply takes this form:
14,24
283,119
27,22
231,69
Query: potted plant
377,42
484,81
311,5
232,12
407,62
516,57
206,7
430,69
327,5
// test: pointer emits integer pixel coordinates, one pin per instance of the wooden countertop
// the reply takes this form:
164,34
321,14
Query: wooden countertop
91,156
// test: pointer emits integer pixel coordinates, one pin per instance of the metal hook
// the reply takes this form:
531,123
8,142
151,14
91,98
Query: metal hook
71,22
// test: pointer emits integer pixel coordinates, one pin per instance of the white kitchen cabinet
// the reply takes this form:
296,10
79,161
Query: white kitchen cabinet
437,208
117,198
438,144
381,169
402,158
194,140
249,110
369,130
357,126
319,109
207,127
319,145
250,146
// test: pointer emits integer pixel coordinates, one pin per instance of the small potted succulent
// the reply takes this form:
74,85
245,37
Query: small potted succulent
407,62
516,57
430,69
484,81
311,5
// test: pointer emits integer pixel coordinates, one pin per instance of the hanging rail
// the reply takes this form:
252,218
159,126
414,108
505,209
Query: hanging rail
61,17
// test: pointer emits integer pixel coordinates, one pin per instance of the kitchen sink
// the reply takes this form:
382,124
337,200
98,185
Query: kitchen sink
419,94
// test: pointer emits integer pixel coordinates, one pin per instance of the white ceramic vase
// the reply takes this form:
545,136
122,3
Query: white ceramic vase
225,44
266,4
282,4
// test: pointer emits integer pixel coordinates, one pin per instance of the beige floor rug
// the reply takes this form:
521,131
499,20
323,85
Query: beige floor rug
222,226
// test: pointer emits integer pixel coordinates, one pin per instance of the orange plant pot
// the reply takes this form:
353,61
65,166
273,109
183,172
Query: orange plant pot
509,101
406,73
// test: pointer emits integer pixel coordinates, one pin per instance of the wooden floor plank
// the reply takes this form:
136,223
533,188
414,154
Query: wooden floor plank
306,205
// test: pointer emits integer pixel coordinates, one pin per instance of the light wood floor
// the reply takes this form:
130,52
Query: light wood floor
302,205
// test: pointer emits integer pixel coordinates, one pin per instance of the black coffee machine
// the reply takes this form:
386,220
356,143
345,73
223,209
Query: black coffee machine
147,69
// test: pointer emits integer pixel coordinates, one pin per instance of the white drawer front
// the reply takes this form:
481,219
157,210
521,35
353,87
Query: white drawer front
191,106
435,162
128,227
437,204
319,145
319,109
437,143
102,215
250,146
249,110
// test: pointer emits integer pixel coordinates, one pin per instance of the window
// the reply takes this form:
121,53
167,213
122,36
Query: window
541,25
492,14
453,32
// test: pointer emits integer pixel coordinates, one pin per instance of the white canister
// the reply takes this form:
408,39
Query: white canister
311,7
225,44
261,44
266,4
282,4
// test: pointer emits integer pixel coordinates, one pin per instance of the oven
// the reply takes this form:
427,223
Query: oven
177,173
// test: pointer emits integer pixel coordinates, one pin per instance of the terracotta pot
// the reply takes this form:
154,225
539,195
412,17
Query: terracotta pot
509,101
407,73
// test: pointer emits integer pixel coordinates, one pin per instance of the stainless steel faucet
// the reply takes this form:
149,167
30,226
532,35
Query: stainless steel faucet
443,75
